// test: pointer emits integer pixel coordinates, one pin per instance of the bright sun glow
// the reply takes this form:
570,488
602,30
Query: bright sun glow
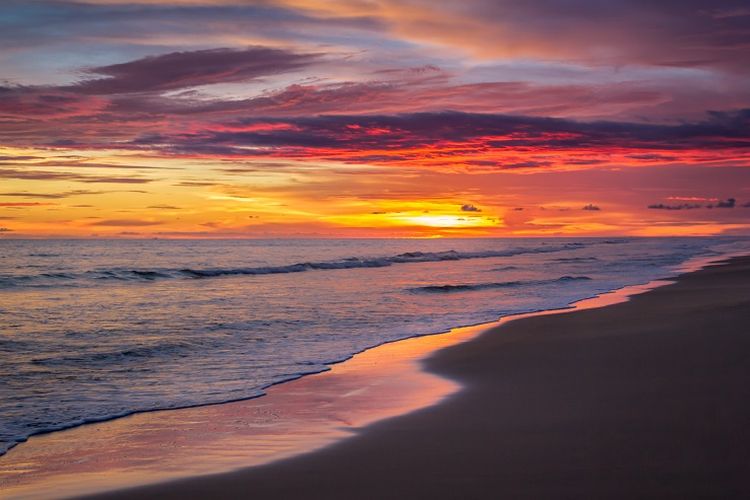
446,221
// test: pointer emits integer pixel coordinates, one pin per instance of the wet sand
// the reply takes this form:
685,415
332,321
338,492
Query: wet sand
293,418
644,399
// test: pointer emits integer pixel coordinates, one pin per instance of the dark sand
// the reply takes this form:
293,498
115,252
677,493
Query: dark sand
645,399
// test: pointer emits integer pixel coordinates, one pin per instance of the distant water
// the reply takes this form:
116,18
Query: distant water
91,330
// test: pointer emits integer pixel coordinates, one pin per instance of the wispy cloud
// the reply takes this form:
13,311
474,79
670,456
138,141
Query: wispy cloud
66,194
23,204
48,175
125,223
179,70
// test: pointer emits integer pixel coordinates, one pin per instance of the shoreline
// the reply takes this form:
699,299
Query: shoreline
432,390
642,399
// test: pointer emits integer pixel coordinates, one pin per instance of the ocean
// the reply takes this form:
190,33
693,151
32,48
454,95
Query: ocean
95,329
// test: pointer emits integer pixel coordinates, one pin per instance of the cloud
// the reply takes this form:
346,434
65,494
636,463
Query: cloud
80,164
683,206
84,163
591,207
728,203
687,34
23,204
152,23
47,175
195,183
134,87
489,138
124,223
411,94
691,198
522,165
291,94
137,102
77,192
34,103
34,195
179,70
19,158
5,230
469,208
654,157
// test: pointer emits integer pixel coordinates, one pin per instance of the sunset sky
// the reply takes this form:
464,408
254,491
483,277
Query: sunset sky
357,118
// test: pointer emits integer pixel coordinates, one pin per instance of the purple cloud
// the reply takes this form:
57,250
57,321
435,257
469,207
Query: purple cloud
682,206
359,134
179,70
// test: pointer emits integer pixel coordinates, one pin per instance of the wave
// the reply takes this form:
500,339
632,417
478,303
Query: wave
178,349
488,286
505,268
357,262
576,259
121,274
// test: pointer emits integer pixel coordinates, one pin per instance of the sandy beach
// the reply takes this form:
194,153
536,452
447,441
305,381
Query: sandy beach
643,399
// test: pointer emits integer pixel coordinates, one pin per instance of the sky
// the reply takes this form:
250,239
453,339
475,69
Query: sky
374,118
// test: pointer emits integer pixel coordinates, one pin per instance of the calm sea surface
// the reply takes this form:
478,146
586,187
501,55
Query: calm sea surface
91,330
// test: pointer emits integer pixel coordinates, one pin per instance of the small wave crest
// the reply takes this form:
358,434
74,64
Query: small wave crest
488,286
505,268
577,259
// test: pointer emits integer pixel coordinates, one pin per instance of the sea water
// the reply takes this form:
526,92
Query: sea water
95,329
